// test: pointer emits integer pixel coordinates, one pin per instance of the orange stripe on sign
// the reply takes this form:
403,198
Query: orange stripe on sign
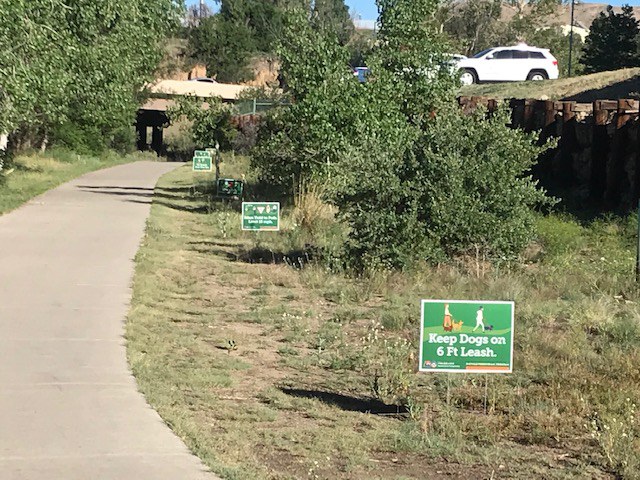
487,367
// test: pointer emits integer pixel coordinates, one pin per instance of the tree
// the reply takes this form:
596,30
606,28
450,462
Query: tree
224,47
246,29
35,53
612,42
210,123
78,65
116,49
412,176
333,16
474,25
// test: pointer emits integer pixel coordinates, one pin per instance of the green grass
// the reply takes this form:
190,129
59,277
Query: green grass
606,85
313,351
31,175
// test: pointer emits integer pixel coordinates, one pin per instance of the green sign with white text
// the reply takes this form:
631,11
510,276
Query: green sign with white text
202,161
260,216
466,336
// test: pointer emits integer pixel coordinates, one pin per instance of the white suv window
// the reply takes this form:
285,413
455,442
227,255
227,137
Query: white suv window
503,55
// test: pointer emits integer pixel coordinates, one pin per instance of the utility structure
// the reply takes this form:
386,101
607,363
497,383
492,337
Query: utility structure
571,37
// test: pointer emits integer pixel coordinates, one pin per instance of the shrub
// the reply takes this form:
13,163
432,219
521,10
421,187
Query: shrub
246,138
464,187
412,176
90,139
210,124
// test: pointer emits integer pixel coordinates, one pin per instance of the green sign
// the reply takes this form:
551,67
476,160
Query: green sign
228,187
466,336
260,216
202,161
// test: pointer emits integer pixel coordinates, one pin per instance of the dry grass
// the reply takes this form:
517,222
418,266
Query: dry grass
269,371
606,85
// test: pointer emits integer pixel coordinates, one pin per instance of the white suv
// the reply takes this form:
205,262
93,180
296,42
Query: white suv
508,64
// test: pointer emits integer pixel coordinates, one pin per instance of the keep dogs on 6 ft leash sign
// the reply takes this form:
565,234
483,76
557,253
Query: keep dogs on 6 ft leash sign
466,336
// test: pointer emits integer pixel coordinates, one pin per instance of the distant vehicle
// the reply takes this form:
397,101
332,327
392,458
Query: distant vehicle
508,64
450,62
361,73
203,79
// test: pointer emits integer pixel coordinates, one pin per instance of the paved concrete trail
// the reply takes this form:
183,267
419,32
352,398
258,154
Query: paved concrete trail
69,408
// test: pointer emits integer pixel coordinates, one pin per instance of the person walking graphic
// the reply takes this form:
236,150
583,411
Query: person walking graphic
479,320
447,319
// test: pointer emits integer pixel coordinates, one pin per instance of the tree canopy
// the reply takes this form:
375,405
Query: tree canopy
612,42
246,29
412,176
78,62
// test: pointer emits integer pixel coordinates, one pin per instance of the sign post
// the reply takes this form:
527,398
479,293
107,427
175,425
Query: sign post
202,161
261,216
460,336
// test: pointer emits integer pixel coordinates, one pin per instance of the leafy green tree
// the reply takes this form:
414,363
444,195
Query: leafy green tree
78,65
453,193
35,57
246,29
612,42
333,16
117,47
210,123
224,47
412,176
473,25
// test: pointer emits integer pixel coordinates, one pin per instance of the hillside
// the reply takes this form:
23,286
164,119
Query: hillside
584,13
623,83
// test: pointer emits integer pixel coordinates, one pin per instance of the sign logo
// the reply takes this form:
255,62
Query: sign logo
466,336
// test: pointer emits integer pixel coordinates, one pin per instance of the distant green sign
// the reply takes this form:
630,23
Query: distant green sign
202,161
229,187
260,216
466,336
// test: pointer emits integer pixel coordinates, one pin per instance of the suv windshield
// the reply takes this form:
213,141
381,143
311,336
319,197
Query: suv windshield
482,53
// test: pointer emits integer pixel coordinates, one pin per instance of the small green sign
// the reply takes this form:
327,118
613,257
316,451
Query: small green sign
202,161
229,187
260,216
466,336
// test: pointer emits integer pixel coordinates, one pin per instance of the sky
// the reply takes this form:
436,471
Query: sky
366,9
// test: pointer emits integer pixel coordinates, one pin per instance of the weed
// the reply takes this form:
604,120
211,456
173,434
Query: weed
618,436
